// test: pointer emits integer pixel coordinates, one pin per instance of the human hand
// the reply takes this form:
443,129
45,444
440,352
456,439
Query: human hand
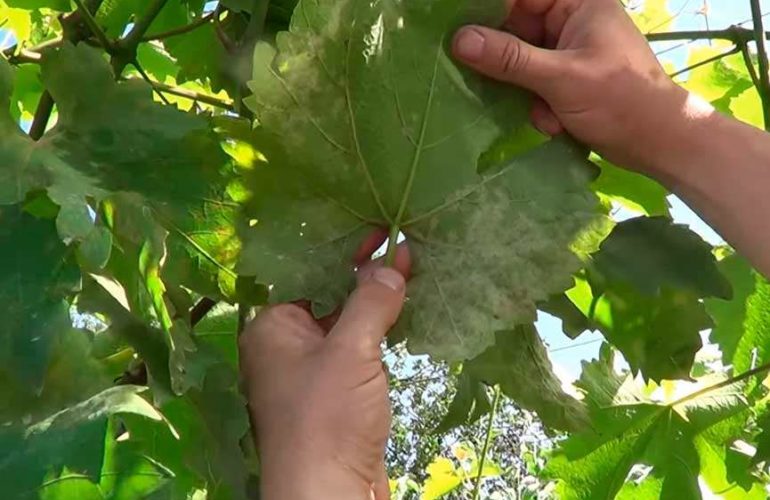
593,71
318,400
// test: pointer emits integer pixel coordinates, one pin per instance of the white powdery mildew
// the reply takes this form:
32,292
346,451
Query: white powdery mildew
483,264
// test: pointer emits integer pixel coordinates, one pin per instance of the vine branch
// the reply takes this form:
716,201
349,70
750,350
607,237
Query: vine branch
764,65
487,441
182,29
143,24
93,26
192,95
42,115
749,64
710,60
45,104
125,48
149,80
735,34
201,309
730,381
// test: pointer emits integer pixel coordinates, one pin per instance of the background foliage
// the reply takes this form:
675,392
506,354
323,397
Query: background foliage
133,209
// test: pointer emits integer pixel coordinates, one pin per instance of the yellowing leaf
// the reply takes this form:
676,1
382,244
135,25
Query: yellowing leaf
653,16
19,21
747,107
443,478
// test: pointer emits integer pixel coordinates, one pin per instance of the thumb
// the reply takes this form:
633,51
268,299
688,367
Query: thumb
507,58
371,310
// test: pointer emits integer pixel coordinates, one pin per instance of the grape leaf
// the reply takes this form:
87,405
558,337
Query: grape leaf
126,474
37,276
199,55
72,486
26,91
675,439
70,375
519,363
470,403
381,129
73,438
160,172
664,254
238,5
58,5
763,439
632,190
644,294
574,322
210,424
658,335
742,324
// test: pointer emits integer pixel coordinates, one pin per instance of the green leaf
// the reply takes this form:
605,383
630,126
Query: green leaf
70,486
206,452
742,324
161,172
664,255
57,5
519,363
470,403
670,438
763,439
126,474
199,56
372,142
156,62
238,5
219,329
26,91
37,276
114,15
73,438
644,294
574,322
71,373
634,191
657,335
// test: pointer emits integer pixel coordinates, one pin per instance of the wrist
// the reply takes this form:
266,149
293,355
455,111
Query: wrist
663,125
291,473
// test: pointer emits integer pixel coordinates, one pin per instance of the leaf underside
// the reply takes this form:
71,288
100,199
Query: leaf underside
376,126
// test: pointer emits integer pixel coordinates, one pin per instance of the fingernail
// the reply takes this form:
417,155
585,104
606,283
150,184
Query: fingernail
389,277
469,44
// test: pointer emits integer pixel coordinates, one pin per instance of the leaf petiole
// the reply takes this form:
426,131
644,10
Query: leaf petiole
390,254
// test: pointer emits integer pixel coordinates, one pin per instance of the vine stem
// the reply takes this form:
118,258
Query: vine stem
730,381
764,65
182,29
42,115
192,95
735,34
201,309
710,60
487,441
143,24
45,105
90,21
749,64
390,254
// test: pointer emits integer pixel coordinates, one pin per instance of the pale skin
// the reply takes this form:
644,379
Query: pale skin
318,395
